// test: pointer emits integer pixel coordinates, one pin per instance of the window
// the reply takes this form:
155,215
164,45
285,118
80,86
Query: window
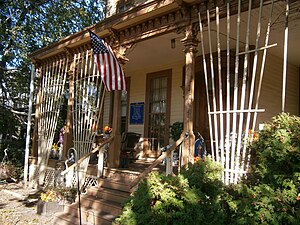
158,108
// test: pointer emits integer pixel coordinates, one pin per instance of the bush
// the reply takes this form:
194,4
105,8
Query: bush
270,194
181,199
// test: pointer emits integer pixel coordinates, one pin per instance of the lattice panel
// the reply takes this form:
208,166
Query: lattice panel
233,78
54,75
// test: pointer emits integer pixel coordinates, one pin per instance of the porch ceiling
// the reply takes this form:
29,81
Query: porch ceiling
158,51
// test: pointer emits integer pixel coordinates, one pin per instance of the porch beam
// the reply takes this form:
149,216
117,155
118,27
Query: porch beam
190,42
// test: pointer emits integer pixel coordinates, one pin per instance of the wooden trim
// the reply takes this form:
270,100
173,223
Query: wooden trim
163,73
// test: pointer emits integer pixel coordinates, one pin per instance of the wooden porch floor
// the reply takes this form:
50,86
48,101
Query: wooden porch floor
141,165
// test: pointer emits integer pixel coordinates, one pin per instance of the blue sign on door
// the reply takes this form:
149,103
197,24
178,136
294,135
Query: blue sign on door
137,113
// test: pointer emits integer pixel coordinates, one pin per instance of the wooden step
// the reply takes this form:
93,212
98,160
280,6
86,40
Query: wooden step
121,175
114,184
101,204
98,204
108,194
88,217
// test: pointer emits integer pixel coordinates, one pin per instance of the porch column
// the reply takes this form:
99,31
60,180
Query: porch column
68,126
190,42
35,135
115,147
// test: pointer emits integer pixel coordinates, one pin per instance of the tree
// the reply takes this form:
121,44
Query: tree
25,26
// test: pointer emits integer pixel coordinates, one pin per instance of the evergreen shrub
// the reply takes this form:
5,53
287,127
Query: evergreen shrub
269,194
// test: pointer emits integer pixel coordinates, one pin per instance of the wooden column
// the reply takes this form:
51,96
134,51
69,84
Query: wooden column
68,135
115,147
35,135
190,42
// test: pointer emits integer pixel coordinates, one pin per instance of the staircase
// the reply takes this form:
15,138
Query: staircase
101,204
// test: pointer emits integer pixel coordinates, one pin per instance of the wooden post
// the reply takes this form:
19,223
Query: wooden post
68,135
115,147
35,135
190,42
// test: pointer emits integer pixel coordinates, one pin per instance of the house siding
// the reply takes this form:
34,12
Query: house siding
138,91
271,93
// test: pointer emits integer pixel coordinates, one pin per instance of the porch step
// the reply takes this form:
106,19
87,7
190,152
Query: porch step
114,184
108,194
88,217
99,206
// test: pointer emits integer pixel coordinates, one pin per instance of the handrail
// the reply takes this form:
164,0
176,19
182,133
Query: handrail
87,155
158,160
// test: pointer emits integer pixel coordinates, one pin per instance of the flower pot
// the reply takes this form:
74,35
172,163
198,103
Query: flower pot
49,208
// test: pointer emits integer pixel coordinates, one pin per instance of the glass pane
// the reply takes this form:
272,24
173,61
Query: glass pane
158,108
164,82
163,107
163,93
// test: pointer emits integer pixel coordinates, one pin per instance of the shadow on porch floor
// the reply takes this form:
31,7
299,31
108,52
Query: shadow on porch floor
142,164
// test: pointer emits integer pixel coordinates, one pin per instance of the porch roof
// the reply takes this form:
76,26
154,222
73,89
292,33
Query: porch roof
107,27
114,26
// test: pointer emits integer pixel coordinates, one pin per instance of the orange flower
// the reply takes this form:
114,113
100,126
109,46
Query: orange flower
107,129
197,158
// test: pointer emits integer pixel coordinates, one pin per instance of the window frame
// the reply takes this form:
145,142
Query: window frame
150,76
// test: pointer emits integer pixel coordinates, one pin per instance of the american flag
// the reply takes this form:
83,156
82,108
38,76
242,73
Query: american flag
109,68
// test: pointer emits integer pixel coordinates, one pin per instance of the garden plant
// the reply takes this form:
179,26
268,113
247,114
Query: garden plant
268,194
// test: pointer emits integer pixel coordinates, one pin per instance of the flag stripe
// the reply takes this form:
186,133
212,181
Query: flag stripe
108,66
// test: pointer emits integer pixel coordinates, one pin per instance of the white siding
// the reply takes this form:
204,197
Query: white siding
272,89
138,91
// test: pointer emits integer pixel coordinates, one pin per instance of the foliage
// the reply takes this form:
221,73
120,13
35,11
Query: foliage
26,26
270,194
175,130
59,194
276,155
178,199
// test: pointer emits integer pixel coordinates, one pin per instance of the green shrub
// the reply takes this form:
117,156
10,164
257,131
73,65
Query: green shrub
270,193
275,154
181,199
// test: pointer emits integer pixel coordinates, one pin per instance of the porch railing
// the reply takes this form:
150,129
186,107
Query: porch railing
68,173
168,155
